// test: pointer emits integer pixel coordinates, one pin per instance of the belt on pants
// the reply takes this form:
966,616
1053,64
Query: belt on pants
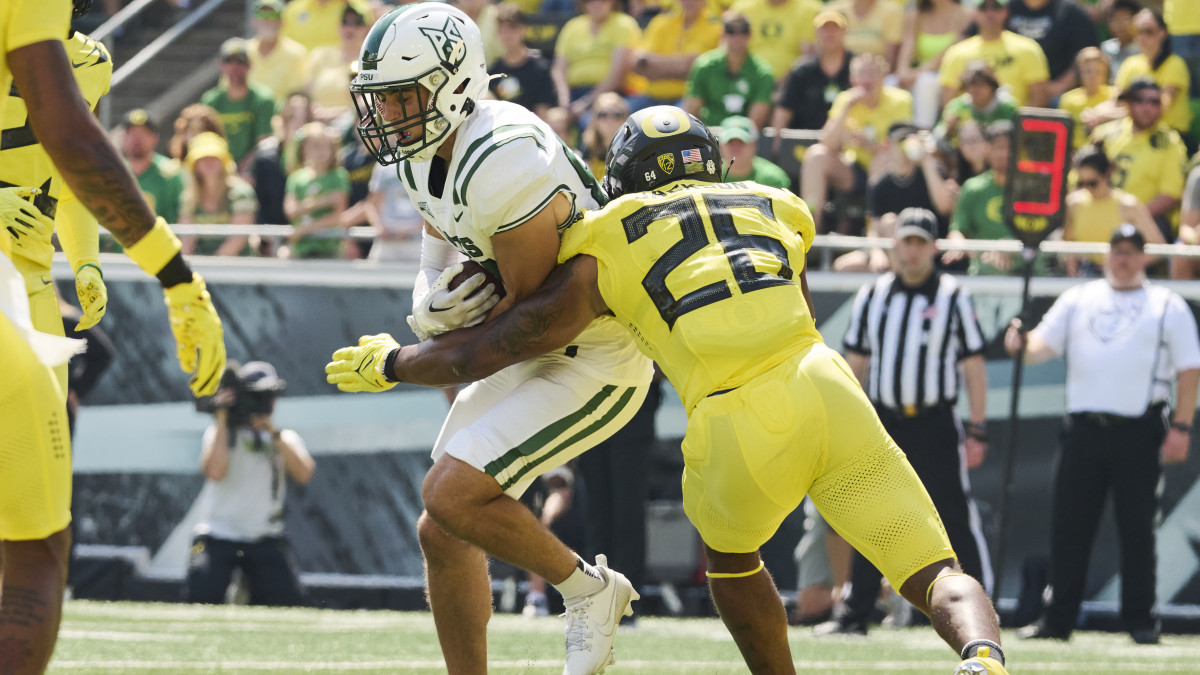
911,411
1110,420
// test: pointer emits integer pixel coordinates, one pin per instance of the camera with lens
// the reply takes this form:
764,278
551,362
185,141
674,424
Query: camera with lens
255,387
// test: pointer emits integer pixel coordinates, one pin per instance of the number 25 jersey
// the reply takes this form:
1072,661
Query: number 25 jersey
706,277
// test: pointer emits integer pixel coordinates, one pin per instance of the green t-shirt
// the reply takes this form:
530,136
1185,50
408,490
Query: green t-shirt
960,108
979,214
765,172
304,183
162,183
239,201
723,94
245,121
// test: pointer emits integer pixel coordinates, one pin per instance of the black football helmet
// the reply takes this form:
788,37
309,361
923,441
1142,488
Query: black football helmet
657,146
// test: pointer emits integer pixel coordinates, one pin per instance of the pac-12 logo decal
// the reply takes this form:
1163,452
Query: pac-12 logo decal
667,162
443,39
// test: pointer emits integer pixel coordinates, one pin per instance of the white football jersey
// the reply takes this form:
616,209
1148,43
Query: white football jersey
507,165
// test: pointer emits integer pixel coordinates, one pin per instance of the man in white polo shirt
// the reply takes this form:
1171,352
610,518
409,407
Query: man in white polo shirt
1119,329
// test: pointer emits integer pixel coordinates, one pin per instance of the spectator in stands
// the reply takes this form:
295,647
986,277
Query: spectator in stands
215,195
389,211
158,177
1158,61
1061,28
730,80
858,123
669,46
1019,63
1120,24
1096,209
781,29
606,118
1183,23
277,62
485,15
914,178
1148,155
979,212
1189,227
970,156
591,54
982,101
317,195
1093,98
247,462
809,88
523,74
329,86
874,27
1115,439
739,150
275,156
314,23
194,119
559,119
930,27
359,164
245,108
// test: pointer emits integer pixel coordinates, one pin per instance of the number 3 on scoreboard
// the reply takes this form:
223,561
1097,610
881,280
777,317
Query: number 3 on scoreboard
1053,168
695,237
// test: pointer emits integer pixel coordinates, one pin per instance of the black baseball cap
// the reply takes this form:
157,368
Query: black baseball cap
917,222
139,118
1137,86
1130,233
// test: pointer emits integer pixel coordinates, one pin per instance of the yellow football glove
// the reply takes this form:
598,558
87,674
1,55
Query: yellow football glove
27,228
199,339
361,368
93,295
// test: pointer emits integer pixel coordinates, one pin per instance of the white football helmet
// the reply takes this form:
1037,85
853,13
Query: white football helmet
426,44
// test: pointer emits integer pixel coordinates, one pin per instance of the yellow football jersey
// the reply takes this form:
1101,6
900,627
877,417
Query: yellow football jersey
706,277
22,159
27,22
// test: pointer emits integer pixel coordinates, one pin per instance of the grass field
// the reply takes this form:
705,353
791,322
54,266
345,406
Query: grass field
106,638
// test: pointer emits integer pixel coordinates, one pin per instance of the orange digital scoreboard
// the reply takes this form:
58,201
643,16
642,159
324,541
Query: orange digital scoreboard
1038,165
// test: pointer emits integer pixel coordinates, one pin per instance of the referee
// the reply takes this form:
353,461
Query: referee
909,332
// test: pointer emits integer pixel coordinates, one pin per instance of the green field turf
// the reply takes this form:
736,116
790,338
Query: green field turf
106,638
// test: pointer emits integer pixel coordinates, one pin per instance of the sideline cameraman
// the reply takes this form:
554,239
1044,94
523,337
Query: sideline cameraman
244,459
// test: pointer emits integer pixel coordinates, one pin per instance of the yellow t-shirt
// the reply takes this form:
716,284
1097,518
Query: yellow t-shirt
315,24
23,161
1146,163
779,32
329,79
666,35
284,71
895,105
27,22
743,247
1182,16
1017,61
883,25
1094,220
1172,73
1076,101
589,56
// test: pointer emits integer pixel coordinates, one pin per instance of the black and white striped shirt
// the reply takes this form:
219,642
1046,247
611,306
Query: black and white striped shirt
915,338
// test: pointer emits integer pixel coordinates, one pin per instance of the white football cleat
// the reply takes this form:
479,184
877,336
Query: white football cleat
592,622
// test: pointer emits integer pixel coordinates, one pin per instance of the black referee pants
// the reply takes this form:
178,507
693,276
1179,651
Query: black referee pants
1102,454
930,440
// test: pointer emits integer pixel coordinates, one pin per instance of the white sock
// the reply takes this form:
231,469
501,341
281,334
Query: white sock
584,580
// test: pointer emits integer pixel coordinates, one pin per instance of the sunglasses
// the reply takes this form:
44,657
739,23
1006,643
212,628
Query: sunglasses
1148,30
610,115
1151,101
1090,184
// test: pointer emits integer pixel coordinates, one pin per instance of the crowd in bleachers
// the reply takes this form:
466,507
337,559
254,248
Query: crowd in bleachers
897,103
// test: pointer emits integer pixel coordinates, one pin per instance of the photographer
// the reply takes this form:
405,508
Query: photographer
244,459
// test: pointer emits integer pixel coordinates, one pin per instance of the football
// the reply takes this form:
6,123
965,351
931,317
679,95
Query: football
470,269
